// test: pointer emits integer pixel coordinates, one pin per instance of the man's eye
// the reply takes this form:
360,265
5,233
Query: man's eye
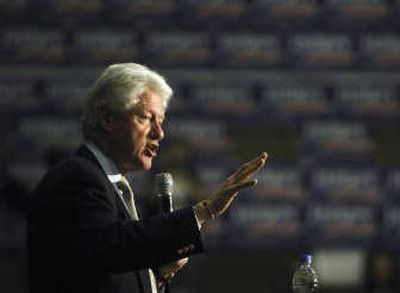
144,118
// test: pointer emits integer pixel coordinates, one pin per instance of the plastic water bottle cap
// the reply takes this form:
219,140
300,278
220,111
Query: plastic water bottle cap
306,259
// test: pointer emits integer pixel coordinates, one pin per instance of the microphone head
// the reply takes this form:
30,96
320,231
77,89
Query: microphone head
164,183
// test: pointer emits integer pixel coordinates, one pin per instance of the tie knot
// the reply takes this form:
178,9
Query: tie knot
127,196
123,180
123,184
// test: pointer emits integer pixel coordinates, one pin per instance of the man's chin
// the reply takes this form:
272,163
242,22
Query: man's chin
147,167
147,163
144,164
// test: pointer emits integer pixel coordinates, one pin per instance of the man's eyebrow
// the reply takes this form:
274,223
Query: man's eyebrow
141,109
154,115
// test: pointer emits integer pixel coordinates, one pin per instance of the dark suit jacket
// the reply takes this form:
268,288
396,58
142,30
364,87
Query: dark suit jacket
81,239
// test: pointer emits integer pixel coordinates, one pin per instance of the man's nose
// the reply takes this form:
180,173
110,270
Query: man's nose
157,131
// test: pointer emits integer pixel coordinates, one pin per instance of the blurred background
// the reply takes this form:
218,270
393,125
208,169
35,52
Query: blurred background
316,83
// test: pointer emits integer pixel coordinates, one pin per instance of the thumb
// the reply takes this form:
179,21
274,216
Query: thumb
236,187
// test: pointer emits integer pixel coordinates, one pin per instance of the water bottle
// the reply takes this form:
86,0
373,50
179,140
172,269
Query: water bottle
305,278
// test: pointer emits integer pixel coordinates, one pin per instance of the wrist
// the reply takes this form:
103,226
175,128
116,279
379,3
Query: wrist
203,212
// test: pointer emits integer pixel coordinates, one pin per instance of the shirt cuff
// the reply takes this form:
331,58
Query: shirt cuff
197,218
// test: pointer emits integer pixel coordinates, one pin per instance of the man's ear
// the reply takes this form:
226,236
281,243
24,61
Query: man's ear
106,118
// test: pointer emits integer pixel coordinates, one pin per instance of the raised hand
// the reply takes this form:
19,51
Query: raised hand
223,197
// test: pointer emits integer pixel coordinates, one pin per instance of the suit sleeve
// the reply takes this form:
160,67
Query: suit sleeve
76,223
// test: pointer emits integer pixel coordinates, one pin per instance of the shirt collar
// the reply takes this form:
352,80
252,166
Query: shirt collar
105,162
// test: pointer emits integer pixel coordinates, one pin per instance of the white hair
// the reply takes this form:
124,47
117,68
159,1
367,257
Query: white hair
119,88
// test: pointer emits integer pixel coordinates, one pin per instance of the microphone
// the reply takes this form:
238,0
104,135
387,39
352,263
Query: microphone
163,186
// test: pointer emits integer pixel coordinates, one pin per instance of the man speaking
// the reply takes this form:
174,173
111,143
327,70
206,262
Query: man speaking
84,234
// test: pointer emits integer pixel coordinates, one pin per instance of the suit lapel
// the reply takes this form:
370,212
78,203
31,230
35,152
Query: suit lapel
84,152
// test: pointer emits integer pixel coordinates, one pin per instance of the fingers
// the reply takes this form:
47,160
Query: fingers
220,201
182,262
168,271
250,167
217,205
177,265
253,165
236,187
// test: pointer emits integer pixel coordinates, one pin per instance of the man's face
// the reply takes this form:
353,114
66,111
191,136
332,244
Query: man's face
136,134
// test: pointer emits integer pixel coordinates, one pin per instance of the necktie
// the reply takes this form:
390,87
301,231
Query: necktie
129,201
128,197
